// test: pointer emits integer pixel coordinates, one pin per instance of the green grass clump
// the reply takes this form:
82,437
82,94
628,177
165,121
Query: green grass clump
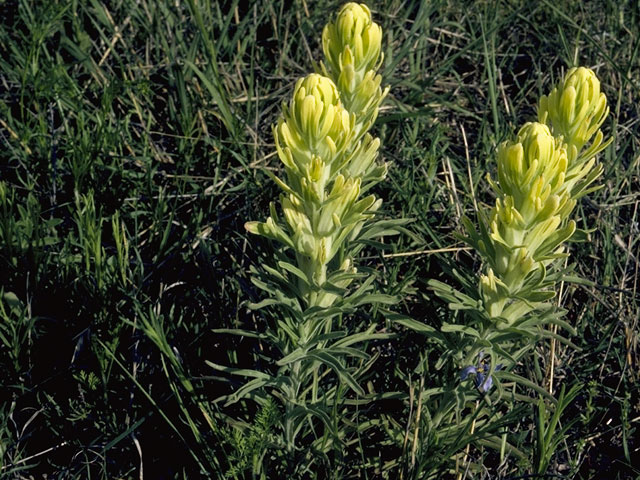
135,144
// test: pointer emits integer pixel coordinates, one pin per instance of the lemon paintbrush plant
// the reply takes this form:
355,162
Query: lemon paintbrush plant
329,162
574,111
321,201
541,174
328,155
529,222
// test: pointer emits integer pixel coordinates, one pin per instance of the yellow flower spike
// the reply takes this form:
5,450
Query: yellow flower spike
353,30
529,221
530,167
575,109
314,123
352,46
322,140
309,110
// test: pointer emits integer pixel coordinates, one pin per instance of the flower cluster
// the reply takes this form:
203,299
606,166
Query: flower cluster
352,47
540,176
575,110
328,156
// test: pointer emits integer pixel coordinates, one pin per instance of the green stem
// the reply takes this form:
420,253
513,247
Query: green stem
292,401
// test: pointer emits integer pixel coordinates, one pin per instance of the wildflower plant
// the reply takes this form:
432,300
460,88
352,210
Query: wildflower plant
324,216
328,155
321,203
541,175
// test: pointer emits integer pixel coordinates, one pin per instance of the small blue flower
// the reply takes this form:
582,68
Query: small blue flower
483,380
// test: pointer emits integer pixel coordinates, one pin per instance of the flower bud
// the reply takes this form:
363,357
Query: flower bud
528,223
352,47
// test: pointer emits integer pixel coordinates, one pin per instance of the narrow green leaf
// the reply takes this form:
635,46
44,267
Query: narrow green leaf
338,368
467,330
414,325
243,391
239,371
240,332
527,383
